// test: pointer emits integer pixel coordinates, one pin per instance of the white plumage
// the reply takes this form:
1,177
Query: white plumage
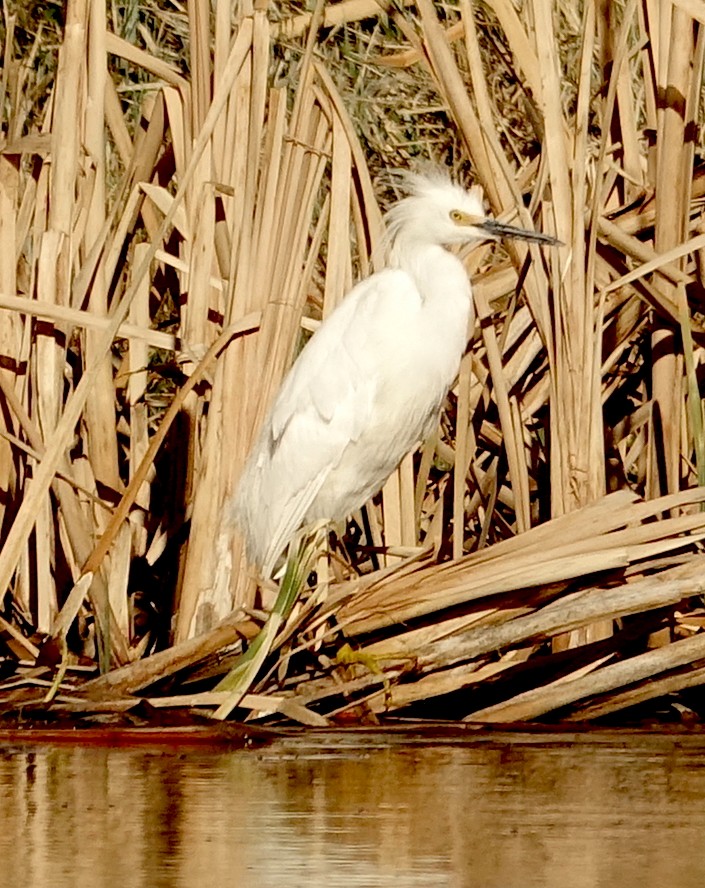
371,381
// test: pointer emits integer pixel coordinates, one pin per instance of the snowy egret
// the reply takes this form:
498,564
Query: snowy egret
370,383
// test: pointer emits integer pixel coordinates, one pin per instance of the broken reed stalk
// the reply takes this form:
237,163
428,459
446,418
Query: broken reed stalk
300,558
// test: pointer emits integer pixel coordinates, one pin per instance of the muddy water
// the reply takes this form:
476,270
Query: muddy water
503,813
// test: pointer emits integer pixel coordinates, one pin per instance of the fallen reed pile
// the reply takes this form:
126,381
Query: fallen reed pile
183,198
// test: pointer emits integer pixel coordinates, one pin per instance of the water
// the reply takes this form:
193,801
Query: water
359,812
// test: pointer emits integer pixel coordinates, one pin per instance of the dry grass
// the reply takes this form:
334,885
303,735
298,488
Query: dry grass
182,196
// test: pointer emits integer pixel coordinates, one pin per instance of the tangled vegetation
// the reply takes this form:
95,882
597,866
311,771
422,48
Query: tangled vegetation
185,193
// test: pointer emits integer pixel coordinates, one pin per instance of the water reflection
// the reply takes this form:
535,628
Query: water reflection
295,814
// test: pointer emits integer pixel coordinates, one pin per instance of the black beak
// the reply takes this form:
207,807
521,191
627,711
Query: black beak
497,230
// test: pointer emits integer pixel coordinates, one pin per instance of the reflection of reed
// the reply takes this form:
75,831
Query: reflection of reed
403,816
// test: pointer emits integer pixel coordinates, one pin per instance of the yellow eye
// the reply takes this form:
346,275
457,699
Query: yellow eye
457,216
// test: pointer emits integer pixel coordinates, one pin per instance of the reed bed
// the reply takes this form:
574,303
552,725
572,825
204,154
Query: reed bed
184,195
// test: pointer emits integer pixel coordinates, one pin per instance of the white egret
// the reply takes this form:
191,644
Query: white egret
370,383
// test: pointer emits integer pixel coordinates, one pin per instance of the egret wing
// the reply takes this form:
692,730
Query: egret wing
325,403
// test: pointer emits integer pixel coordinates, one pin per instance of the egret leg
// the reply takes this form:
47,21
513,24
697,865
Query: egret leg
301,557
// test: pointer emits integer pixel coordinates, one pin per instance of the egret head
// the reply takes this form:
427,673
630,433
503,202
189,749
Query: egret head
438,211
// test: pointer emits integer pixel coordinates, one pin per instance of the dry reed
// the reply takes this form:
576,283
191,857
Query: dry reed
178,206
